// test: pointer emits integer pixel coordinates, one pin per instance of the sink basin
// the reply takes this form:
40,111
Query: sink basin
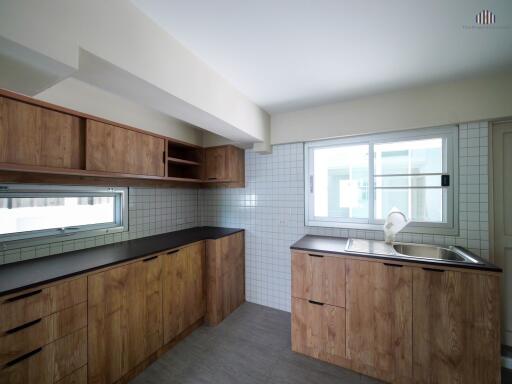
433,252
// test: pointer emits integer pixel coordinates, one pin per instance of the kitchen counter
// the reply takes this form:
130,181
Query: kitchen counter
337,245
26,274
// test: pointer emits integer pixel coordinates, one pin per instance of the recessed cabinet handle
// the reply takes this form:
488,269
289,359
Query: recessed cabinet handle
393,265
212,178
315,302
19,328
173,252
433,270
149,258
23,296
315,255
21,358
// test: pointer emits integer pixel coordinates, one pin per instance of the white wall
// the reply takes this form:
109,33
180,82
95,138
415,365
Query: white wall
118,33
82,97
484,98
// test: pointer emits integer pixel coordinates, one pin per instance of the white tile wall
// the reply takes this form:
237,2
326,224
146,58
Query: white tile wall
271,209
151,211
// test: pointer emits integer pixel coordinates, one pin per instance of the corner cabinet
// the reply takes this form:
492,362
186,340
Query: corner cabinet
399,322
226,165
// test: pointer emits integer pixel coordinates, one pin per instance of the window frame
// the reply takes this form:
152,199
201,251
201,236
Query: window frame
31,238
450,166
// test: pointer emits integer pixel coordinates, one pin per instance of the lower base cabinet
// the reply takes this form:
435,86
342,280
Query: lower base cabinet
183,289
318,330
124,318
402,323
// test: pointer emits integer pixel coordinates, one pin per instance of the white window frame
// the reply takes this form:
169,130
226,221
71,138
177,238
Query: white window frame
450,136
31,238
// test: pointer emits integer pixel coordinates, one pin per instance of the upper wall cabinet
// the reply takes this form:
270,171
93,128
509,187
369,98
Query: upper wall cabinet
35,136
225,164
114,149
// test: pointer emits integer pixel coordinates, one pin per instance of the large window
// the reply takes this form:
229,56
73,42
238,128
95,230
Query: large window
29,212
355,182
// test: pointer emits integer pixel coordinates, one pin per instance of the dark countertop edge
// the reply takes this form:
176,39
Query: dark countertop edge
486,266
228,232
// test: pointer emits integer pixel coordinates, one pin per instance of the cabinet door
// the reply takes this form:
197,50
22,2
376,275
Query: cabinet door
318,277
216,165
318,330
225,276
183,289
456,327
35,367
114,149
379,319
31,135
123,318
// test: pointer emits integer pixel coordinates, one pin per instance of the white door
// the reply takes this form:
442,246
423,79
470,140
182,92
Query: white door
502,191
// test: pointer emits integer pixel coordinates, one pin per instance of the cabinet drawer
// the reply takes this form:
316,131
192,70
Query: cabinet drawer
318,277
318,330
70,354
24,308
30,336
77,377
25,339
35,367
30,305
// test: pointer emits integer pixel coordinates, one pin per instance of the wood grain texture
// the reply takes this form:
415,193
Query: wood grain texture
70,353
35,369
121,300
320,279
379,320
68,294
33,135
114,149
225,286
318,331
20,309
456,327
77,377
183,289
224,166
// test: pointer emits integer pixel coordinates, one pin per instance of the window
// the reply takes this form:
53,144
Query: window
355,182
29,211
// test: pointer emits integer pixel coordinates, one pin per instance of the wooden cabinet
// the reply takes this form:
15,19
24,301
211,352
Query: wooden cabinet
114,149
379,319
31,135
225,282
318,330
43,333
319,278
183,289
456,327
125,318
225,164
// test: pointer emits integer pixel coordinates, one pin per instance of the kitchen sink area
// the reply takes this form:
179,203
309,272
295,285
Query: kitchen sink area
411,250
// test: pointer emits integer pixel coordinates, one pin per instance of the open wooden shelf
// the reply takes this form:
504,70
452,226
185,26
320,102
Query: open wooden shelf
181,161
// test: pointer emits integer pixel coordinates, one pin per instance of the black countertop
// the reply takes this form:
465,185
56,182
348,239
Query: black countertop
26,274
336,246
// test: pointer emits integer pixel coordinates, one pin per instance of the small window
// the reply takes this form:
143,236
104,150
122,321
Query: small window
29,211
355,182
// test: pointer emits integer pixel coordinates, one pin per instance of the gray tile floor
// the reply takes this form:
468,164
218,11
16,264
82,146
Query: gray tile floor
250,346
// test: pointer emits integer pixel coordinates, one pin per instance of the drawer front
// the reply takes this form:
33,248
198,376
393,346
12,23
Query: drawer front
318,330
70,354
24,308
34,304
35,367
318,277
25,339
77,377
30,336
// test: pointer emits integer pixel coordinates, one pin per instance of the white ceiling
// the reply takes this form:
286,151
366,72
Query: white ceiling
290,54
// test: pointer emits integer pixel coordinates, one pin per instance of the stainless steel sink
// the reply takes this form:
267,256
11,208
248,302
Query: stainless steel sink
433,252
